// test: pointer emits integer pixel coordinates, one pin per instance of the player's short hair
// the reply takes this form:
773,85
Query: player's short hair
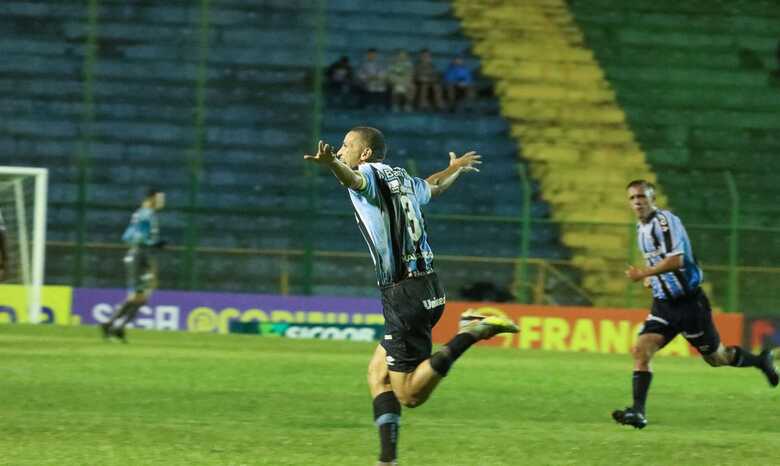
647,186
152,191
374,140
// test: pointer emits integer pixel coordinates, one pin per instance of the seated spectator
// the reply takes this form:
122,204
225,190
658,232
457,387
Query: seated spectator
339,79
400,76
428,82
459,85
372,76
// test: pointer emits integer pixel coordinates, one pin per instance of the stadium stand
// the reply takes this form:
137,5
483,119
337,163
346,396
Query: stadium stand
623,90
142,129
697,94
560,106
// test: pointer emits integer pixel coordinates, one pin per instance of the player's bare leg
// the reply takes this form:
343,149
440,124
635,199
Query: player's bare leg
391,389
644,350
414,388
387,409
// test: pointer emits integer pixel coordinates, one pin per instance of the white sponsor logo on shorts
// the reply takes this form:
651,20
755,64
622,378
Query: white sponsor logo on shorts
388,337
435,302
390,360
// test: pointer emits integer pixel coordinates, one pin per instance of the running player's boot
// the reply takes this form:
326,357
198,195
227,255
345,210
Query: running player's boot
768,367
630,417
105,330
469,316
483,327
120,333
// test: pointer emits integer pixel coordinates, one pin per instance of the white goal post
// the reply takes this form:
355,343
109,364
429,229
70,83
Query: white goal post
23,193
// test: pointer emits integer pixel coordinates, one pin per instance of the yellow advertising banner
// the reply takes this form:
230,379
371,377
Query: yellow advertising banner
56,304
588,329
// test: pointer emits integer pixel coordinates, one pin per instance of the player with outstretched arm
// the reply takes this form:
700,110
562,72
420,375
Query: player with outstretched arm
387,202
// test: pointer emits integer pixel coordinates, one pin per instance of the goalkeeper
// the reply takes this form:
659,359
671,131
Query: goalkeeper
143,238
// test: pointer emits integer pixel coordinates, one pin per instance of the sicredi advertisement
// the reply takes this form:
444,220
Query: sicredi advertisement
212,312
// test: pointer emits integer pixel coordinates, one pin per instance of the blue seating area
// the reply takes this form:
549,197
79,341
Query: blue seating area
259,102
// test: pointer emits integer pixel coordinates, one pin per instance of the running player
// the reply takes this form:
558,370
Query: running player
143,237
387,203
679,304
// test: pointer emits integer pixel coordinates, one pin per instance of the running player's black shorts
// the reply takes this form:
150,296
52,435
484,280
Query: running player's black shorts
411,308
690,315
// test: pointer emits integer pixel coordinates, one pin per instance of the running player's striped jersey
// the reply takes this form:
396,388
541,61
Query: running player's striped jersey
662,236
144,228
389,216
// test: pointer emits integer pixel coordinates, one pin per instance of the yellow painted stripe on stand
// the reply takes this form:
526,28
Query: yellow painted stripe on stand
570,127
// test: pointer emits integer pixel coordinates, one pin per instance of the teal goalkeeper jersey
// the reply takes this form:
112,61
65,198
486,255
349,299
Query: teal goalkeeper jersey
144,229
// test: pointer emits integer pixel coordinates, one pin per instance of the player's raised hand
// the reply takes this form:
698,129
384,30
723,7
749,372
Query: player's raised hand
466,162
324,155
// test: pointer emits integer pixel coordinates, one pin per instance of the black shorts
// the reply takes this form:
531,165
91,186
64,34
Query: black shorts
411,308
689,315
140,267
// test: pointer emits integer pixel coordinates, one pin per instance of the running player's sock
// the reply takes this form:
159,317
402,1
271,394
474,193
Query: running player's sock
387,417
744,358
125,314
118,313
443,359
131,313
641,384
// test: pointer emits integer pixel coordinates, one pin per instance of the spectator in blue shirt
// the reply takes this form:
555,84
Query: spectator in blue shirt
459,85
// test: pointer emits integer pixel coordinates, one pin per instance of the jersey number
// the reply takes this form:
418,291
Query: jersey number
413,222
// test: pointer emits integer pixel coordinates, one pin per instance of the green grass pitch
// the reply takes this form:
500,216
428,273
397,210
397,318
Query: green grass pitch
68,398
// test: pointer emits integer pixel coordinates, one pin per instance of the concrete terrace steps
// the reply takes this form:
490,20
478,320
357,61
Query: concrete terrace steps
698,22
420,123
700,98
638,55
140,91
735,140
698,119
139,132
748,8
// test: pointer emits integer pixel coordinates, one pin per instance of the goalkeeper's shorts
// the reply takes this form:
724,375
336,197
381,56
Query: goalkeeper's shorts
141,278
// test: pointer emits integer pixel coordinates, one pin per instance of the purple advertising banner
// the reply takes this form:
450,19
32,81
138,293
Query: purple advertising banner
212,312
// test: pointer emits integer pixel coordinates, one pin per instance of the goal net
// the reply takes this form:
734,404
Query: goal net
23,210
